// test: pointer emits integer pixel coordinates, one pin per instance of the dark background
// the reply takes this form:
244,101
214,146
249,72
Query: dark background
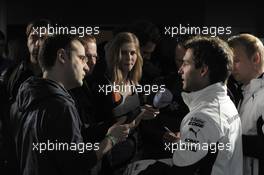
241,16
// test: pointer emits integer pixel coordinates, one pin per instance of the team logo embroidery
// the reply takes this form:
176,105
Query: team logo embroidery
196,122
195,132
230,120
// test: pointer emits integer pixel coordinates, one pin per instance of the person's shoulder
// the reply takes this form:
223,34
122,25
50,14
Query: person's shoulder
59,107
260,93
201,116
203,119
51,94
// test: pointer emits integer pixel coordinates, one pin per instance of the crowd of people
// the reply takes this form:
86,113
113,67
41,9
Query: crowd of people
58,115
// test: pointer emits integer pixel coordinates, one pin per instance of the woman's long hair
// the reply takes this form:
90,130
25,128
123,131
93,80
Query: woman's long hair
114,58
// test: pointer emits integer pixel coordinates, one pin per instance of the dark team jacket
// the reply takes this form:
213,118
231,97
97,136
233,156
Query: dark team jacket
11,79
44,112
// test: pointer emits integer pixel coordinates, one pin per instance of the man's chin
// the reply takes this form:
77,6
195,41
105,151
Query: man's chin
186,90
80,83
237,78
77,84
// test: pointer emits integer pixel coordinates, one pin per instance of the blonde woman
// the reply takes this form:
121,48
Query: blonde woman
124,70
118,97
124,60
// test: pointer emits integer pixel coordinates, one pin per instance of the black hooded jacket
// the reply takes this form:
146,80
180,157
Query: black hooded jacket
44,118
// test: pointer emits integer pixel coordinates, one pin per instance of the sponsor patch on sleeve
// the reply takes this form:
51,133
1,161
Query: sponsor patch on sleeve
196,122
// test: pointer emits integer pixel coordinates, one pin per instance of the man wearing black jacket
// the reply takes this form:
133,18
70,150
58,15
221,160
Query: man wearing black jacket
11,79
45,122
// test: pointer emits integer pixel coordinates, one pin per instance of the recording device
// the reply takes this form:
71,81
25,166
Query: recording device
162,99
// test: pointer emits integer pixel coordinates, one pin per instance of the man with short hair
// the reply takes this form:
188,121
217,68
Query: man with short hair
84,96
210,141
15,76
90,47
248,70
44,113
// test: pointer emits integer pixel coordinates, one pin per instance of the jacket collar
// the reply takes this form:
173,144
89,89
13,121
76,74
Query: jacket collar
253,86
193,99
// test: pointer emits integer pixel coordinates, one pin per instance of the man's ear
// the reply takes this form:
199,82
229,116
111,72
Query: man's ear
204,70
256,59
61,56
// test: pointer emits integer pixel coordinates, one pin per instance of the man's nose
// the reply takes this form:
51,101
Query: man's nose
180,71
86,68
92,61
